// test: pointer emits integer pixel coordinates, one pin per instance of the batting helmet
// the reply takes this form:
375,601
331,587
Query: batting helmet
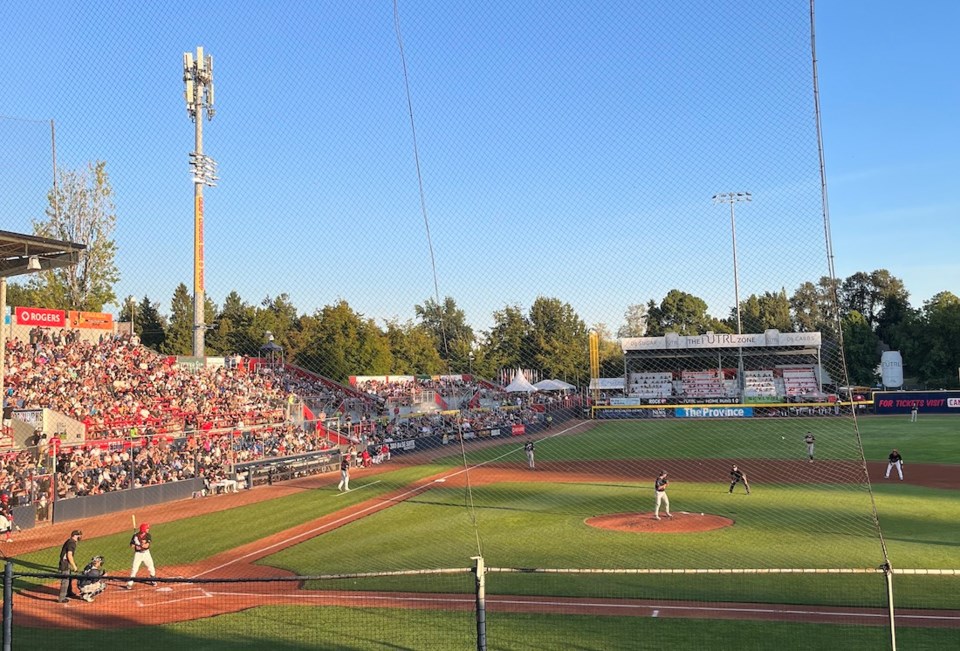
144,528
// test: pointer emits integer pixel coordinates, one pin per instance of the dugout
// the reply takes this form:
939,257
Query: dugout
724,357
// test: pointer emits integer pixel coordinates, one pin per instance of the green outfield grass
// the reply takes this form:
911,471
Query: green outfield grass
289,628
933,439
534,524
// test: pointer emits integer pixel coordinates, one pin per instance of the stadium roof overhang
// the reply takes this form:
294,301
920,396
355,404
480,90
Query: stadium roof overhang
711,353
17,250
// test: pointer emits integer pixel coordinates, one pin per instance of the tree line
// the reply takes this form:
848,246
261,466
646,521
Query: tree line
871,310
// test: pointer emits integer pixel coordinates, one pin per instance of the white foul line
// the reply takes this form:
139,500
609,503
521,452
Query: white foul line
583,604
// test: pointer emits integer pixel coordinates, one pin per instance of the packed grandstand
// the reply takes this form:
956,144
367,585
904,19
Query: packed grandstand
144,419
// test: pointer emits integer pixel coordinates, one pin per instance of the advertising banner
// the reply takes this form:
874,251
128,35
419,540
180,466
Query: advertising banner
926,402
38,316
714,412
93,320
517,430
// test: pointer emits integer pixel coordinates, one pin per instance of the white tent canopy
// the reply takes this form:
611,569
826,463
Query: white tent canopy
553,385
520,384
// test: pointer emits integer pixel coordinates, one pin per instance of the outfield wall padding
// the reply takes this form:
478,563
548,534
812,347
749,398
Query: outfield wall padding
75,508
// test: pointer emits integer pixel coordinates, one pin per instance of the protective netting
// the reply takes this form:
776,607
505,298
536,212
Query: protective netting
508,302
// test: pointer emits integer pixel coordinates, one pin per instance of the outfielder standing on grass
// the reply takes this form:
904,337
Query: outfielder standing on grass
660,490
810,440
529,448
141,542
737,475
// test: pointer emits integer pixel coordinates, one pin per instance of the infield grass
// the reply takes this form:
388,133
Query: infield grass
290,628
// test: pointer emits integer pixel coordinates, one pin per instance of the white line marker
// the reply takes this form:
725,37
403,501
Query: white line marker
656,613
362,486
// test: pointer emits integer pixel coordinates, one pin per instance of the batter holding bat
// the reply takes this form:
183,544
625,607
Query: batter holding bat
141,542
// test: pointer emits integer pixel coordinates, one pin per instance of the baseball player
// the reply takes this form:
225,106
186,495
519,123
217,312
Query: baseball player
660,490
90,583
913,413
810,440
344,484
6,517
141,542
737,475
894,460
529,448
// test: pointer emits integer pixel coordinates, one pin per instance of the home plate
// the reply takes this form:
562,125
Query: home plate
165,589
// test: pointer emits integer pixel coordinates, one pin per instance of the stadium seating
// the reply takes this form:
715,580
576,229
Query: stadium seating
650,385
799,380
759,383
704,384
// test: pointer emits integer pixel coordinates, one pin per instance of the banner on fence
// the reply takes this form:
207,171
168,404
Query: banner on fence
902,402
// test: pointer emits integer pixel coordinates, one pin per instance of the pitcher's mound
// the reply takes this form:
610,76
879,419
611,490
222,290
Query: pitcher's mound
644,522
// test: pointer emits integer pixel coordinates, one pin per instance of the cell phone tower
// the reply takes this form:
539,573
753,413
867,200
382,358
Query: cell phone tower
198,92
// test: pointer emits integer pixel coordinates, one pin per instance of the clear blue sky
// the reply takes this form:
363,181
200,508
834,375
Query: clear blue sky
567,149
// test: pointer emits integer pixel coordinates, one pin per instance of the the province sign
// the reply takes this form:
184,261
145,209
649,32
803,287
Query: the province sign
714,412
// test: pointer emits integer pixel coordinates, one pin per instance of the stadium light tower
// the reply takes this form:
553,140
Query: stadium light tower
198,92
733,198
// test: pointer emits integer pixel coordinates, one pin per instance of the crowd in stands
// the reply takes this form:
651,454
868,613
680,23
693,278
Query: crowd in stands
148,421
118,388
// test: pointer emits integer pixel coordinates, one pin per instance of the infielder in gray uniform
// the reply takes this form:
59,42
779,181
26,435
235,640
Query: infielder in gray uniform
810,440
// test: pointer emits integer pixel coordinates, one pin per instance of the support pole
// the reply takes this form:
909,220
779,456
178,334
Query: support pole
888,576
481,591
8,606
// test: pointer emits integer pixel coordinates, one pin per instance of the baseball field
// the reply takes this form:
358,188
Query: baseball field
574,557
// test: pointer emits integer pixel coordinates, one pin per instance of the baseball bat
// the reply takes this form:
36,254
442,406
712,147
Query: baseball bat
133,517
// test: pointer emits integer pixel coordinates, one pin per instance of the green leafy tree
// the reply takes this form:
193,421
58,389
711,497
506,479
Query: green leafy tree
413,349
146,319
179,339
867,292
20,296
682,313
235,327
934,348
634,321
339,342
80,210
558,338
453,337
150,324
814,307
507,343
610,352
278,316
892,322
860,348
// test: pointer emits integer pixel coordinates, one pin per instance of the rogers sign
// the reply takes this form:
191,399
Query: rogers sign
35,316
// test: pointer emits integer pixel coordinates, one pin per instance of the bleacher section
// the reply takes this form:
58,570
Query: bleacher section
799,380
650,385
759,383
704,384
